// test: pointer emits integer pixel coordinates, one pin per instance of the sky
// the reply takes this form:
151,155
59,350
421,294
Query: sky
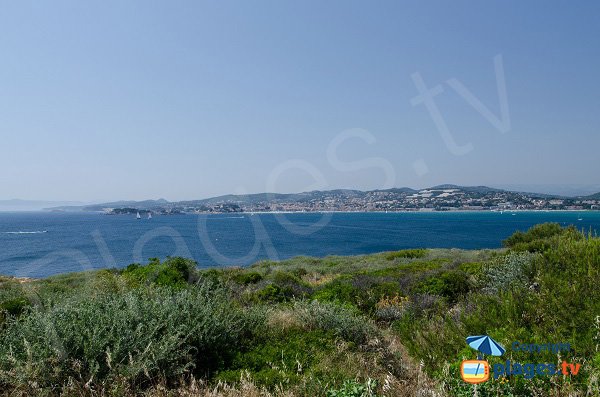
107,100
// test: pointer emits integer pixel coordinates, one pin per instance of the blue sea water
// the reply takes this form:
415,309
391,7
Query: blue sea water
39,244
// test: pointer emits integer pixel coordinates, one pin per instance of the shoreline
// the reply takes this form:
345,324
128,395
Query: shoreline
309,212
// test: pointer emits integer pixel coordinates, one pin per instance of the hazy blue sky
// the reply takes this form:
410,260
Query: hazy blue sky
144,99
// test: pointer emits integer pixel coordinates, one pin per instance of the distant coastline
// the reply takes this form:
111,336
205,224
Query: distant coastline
362,212
442,198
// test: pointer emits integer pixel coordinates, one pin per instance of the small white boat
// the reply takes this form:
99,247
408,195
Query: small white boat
138,216
149,215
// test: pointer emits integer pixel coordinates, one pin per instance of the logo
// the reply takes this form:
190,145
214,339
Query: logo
479,371
475,371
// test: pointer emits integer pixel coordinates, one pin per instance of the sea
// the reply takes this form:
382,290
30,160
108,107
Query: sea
40,244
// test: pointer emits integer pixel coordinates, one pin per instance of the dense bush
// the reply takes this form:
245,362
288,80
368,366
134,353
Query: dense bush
410,254
450,284
272,293
280,359
138,335
537,232
540,238
15,306
13,299
246,278
173,272
339,291
279,287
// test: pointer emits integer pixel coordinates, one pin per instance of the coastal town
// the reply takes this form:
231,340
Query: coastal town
438,198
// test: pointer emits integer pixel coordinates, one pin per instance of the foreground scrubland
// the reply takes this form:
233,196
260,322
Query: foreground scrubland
389,324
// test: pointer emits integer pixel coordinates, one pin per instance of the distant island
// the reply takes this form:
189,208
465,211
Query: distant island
436,198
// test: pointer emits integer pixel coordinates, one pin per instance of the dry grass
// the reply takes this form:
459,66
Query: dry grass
281,320
245,388
315,279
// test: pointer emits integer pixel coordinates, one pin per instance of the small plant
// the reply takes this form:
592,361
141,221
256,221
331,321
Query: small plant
352,388
15,306
391,309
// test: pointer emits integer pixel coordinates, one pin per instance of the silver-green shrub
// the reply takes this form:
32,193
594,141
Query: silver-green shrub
341,321
138,335
511,271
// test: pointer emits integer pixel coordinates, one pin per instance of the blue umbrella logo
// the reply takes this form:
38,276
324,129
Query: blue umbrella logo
485,345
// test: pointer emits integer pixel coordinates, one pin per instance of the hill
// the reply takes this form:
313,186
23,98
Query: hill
595,196
441,198
437,198
33,205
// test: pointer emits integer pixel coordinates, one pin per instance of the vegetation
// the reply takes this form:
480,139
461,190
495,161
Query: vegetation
389,324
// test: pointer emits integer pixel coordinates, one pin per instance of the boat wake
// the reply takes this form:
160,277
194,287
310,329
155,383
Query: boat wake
21,232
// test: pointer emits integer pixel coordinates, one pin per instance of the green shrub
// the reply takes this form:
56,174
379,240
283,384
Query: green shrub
435,339
280,359
409,253
339,291
361,292
15,306
246,278
299,272
137,335
14,298
378,291
472,268
272,293
539,238
283,286
173,272
512,271
537,232
450,284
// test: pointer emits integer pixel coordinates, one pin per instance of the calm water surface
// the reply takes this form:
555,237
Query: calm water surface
39,244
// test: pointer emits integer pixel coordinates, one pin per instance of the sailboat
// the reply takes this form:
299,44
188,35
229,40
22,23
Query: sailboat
138,216
149,215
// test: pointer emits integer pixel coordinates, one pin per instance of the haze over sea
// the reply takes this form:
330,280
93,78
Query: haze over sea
39,244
